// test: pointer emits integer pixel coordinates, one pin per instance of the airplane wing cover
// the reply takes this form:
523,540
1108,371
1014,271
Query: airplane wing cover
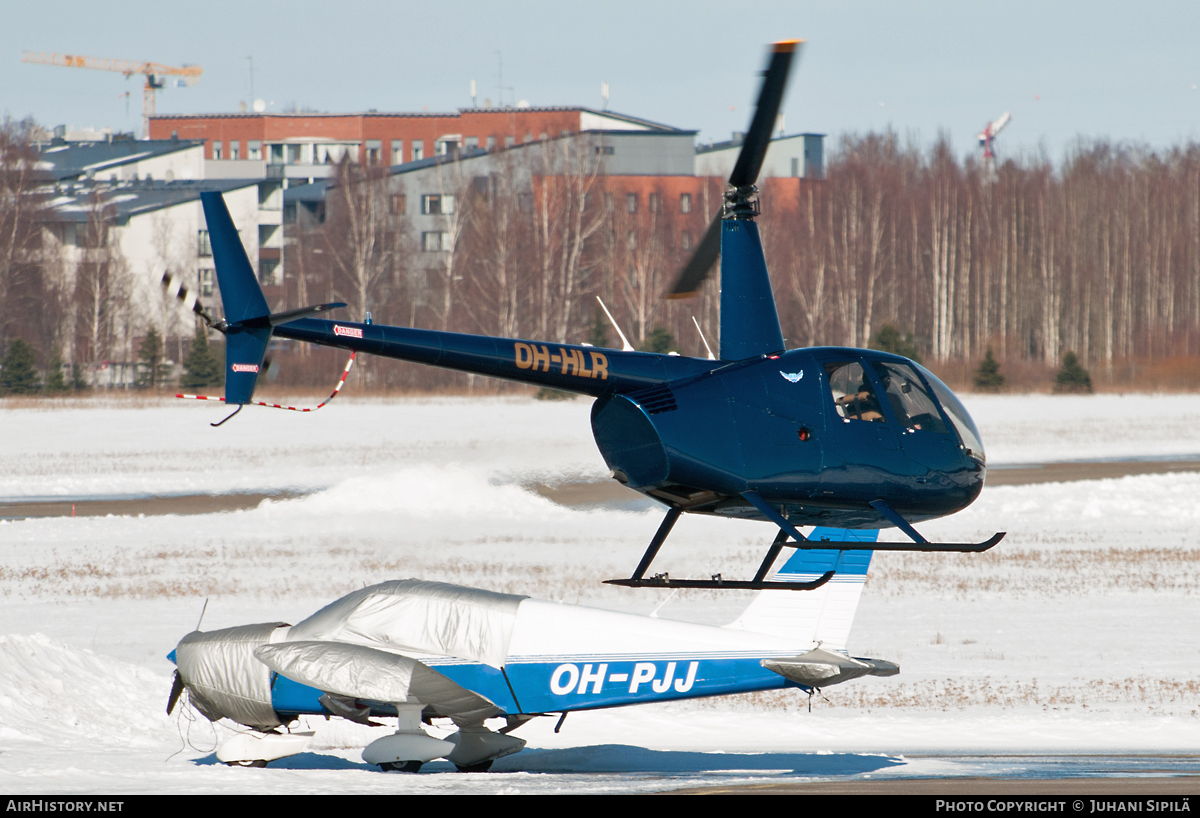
415,616
360,672
347,670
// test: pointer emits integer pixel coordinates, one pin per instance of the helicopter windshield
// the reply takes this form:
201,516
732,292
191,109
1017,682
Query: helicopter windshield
909,397
958,415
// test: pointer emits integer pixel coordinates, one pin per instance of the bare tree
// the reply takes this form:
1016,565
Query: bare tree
21,209
359,234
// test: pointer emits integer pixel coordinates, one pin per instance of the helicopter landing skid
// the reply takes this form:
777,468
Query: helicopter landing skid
786,530
717,582
919,543
665,581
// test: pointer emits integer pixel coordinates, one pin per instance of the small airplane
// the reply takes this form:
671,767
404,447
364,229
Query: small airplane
419,651
836,437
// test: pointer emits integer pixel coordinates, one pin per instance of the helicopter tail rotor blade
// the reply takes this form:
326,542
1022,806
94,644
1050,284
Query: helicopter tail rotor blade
694,273
770,98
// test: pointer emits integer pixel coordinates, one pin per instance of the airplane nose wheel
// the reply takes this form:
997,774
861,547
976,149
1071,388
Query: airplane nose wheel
401,766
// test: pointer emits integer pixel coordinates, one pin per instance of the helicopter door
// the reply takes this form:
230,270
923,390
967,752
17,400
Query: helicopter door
778,424
862,445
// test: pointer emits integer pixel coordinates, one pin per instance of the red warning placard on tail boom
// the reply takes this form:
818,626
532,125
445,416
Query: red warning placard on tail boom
349,332
245,367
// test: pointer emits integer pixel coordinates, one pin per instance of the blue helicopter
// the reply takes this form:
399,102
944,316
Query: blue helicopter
832,437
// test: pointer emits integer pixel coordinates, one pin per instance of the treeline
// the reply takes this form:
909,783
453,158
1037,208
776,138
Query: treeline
64,312
1099,256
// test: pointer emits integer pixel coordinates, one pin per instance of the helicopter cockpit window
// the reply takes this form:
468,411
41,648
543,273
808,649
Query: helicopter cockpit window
958,415
910,400
853,394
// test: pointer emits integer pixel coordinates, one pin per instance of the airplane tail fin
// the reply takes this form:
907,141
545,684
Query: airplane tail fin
246,326
823,615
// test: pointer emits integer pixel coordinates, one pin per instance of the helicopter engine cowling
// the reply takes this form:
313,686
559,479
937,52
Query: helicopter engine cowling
654,450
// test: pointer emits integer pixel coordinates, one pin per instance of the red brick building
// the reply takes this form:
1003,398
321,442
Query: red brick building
381,138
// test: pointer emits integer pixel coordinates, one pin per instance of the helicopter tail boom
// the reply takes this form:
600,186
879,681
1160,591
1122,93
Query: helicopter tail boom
566,367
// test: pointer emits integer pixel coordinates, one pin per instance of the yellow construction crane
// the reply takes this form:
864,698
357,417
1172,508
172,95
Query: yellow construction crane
152,71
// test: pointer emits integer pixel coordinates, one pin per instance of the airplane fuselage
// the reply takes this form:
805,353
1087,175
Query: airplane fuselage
569,657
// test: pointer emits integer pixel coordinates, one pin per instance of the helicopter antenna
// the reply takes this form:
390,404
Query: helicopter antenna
202,610
711,357
627,347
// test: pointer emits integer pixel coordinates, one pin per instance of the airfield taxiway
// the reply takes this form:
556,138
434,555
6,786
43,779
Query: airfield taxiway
573,494
1062,660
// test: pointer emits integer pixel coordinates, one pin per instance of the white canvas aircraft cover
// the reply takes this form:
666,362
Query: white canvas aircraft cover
414,616
366,673
223,676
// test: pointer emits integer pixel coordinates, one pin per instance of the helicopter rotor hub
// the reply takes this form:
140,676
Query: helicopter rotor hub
741,203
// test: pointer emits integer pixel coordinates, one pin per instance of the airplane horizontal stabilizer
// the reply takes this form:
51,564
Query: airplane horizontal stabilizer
822,668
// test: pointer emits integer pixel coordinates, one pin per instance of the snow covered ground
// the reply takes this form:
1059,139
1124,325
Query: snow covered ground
1076,635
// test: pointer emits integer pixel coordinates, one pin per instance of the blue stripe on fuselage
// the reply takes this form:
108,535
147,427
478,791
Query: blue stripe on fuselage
557,686
545,687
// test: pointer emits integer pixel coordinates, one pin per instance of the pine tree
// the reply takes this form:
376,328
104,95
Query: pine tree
19,373
56,384
598,336
1072,377
150,353
889,339
201,367
78,379
659,340
987,376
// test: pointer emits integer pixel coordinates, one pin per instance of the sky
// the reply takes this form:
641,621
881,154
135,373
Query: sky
1097,70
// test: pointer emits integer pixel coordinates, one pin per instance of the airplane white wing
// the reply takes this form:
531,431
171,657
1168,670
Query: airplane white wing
360,672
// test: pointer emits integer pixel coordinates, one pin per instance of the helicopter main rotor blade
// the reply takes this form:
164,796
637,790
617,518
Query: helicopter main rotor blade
746,170
770,98
692,276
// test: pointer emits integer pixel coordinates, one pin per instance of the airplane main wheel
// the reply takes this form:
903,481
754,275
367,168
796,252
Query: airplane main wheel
401,766
257,762
481,767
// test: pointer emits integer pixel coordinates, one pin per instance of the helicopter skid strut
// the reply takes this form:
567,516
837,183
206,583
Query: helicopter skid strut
786,531
919,543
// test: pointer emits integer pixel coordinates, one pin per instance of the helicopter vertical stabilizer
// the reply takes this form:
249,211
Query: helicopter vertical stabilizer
246,326
823,615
